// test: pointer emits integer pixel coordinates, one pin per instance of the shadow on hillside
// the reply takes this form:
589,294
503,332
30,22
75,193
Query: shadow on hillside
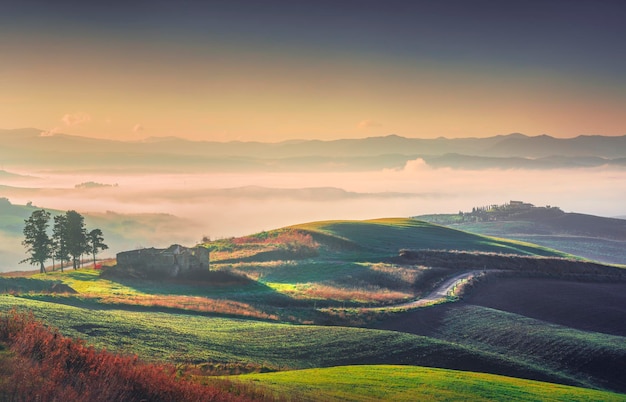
82,276
218,285
27,285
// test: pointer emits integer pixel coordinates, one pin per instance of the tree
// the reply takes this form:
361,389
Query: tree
36,239
59,239
76,236
95,242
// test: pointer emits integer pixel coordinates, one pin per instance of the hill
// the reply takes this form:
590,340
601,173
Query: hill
120,230
216,344
573,326
403,383
593,237
337,293
388,236
9,176
352,263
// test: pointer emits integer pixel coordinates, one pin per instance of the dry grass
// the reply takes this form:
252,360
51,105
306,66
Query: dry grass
191,303
346,294
294,242
53,367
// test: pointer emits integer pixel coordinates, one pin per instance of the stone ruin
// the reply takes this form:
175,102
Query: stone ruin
172,262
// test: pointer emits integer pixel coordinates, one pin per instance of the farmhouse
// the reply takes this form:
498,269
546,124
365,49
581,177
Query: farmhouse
520,205
172,261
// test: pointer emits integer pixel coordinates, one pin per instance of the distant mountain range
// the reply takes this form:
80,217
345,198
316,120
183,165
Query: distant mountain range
27,147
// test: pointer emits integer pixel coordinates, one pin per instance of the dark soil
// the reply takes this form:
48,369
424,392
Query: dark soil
557,268
599,307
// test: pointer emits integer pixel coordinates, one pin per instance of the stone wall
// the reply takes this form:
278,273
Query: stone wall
172,261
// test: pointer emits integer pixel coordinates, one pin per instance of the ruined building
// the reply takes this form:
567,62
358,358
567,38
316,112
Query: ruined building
172,261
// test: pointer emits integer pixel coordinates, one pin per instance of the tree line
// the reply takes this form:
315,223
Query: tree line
68,241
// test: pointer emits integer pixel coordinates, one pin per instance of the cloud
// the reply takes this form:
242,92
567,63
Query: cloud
416,165
49,133
368,124
137,128
72,119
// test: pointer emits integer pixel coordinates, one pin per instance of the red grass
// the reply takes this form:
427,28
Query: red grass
286,237
50,367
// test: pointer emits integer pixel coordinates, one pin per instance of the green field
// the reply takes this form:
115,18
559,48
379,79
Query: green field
197,339
351,265
595,238
383,236
325,275
408,383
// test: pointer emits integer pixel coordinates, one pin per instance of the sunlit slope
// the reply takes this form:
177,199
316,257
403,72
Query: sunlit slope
409,383
392,234
197,339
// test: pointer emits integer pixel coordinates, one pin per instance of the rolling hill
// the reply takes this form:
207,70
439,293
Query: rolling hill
403,383
388,236
334,294
594,237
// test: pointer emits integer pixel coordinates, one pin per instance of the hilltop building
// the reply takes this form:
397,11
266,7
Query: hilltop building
172,261
520,205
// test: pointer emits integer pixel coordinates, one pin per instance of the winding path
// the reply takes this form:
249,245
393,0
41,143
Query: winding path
441,292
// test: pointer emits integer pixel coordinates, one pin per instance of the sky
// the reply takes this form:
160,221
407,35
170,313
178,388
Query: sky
279,70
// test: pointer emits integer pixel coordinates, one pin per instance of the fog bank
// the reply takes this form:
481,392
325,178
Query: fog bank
234,204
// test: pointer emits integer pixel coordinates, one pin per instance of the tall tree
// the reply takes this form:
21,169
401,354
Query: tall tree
59,239
36,239
95,242
76,236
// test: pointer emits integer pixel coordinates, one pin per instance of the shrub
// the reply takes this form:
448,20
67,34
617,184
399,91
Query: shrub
50,367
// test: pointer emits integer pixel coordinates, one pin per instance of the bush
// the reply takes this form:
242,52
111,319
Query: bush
50,367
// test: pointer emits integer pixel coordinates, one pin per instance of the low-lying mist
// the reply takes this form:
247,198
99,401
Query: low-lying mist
232,204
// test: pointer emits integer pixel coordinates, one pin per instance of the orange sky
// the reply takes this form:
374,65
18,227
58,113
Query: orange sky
299,74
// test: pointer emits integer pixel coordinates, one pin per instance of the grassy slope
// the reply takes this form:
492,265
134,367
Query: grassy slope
350,263
182,338
404,383
387,236
197,338
179,337
596,248
592,237
588,356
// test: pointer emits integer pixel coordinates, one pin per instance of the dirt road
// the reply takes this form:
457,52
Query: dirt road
440,293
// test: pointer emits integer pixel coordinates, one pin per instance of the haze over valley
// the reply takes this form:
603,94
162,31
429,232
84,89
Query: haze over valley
255,187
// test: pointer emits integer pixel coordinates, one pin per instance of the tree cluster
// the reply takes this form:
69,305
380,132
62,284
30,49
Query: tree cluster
68,241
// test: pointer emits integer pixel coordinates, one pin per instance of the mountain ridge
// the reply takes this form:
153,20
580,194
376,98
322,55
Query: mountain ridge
27,147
